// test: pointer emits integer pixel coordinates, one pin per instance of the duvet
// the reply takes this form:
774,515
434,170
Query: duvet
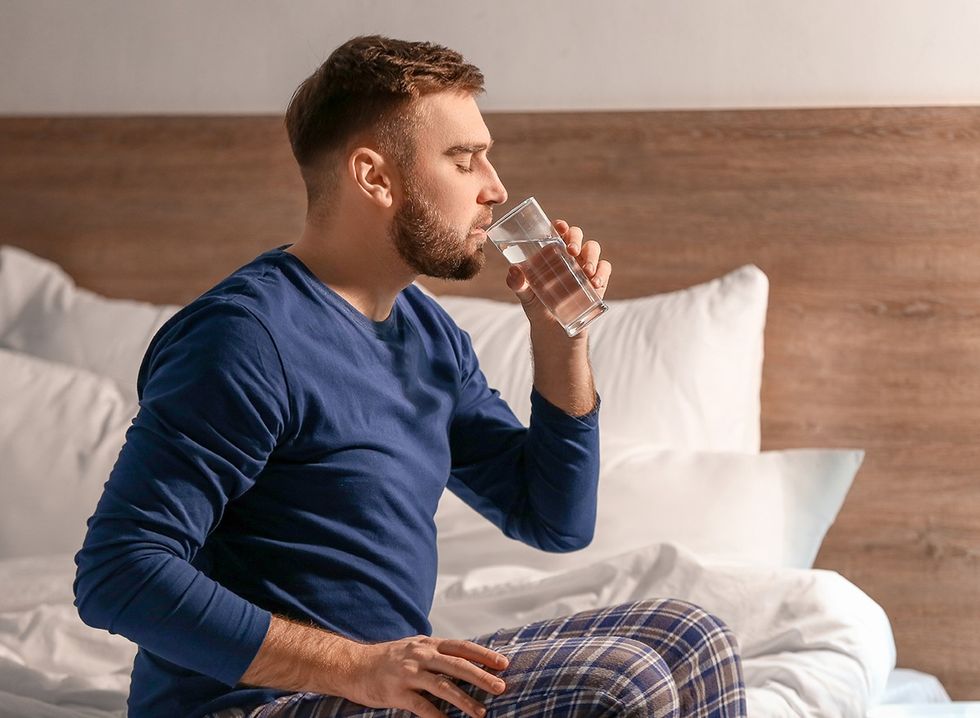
813,644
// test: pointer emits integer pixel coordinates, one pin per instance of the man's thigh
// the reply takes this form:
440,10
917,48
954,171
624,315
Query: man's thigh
575,676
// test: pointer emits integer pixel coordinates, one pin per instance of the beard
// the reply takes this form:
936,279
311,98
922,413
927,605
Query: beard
429,245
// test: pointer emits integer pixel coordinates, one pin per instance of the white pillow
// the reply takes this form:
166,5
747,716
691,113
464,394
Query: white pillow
44,314
770,509
682,370
61,430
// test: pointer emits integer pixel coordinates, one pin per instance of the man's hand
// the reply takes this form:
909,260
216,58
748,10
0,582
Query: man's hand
300,657
562,373
392,674
586,254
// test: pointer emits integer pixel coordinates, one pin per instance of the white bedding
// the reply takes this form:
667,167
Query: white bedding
813,644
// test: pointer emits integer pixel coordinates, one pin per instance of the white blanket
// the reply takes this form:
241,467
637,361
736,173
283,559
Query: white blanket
812,643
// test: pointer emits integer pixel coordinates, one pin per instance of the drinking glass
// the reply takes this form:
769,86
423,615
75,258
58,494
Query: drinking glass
527,238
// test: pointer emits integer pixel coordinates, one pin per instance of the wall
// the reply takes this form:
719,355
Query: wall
231,56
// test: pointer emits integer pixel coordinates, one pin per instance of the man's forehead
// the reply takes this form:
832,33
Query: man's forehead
454,124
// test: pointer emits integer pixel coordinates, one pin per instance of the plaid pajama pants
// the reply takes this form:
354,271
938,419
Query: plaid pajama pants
655,658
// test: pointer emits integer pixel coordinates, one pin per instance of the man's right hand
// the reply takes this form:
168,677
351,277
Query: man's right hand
392,674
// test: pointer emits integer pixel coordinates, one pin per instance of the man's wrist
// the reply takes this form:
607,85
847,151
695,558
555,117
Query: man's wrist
562,374
300,657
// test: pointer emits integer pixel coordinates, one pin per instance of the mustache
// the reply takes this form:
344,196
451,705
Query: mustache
486,222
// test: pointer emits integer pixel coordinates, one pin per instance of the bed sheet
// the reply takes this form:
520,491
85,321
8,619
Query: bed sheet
812,643
906,685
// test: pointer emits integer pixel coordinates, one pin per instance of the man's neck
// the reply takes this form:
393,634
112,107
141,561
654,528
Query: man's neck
360,265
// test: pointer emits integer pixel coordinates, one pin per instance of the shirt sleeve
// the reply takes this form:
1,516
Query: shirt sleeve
538,484
213,403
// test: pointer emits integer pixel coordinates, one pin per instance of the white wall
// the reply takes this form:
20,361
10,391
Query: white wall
237,56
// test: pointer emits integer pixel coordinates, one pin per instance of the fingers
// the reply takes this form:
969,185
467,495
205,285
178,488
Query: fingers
601,277
473,652
443,687
457,659
589,257
464,670
423,708
586,253
572,236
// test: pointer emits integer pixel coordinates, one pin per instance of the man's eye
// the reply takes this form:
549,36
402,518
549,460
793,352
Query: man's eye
464,168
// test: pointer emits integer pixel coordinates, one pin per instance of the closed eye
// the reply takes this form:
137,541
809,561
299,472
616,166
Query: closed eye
464,168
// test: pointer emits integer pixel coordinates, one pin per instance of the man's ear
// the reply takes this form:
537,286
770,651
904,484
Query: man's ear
372,174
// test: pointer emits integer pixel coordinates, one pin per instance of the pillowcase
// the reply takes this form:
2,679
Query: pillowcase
61,430
44,314
681,370
770,509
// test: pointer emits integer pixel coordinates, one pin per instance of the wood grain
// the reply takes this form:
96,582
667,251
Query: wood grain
867,222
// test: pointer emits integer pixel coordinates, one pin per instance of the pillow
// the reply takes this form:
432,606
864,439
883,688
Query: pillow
44,314
770,509
61,430
681,370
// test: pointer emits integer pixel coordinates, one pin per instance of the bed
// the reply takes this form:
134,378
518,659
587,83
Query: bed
795,290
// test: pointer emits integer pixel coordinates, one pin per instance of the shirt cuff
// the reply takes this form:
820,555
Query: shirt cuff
548,411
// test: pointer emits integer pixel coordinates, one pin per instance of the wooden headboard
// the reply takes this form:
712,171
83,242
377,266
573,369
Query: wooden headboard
867,222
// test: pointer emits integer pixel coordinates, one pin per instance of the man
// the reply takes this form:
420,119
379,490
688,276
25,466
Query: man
266,535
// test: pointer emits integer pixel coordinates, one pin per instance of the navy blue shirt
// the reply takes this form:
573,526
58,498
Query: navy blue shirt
288,457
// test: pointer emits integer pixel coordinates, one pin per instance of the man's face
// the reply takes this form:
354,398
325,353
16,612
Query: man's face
448,192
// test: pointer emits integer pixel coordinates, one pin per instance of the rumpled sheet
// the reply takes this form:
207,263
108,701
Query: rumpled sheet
813,644
51,664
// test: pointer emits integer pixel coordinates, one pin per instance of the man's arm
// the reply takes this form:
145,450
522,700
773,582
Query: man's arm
390,674
298,657
562,373
538,484
213,405
212,412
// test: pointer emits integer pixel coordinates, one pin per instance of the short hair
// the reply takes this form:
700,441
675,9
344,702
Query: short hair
369,85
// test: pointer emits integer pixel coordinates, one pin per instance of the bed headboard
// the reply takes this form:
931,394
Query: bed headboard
867,222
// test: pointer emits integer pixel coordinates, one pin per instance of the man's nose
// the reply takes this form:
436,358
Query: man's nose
495,192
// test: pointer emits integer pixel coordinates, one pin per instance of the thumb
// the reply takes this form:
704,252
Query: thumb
517,282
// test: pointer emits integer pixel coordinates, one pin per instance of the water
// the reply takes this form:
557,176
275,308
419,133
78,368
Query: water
557,280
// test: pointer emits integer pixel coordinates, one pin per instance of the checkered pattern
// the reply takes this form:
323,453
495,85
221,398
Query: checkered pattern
647,659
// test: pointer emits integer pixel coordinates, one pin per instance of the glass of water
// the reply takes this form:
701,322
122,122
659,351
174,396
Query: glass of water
527,238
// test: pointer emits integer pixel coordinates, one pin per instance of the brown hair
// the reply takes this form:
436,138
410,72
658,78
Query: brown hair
368,85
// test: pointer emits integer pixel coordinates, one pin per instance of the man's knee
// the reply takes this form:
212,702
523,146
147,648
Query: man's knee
639,681
695,625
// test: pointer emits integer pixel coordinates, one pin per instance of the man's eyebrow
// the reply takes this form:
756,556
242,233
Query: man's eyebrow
468,149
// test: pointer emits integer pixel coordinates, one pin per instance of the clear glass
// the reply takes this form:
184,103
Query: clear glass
527,238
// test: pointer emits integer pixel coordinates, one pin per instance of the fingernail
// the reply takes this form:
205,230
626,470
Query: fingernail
590,268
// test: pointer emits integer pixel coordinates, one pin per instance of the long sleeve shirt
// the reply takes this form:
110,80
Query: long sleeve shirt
288,457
